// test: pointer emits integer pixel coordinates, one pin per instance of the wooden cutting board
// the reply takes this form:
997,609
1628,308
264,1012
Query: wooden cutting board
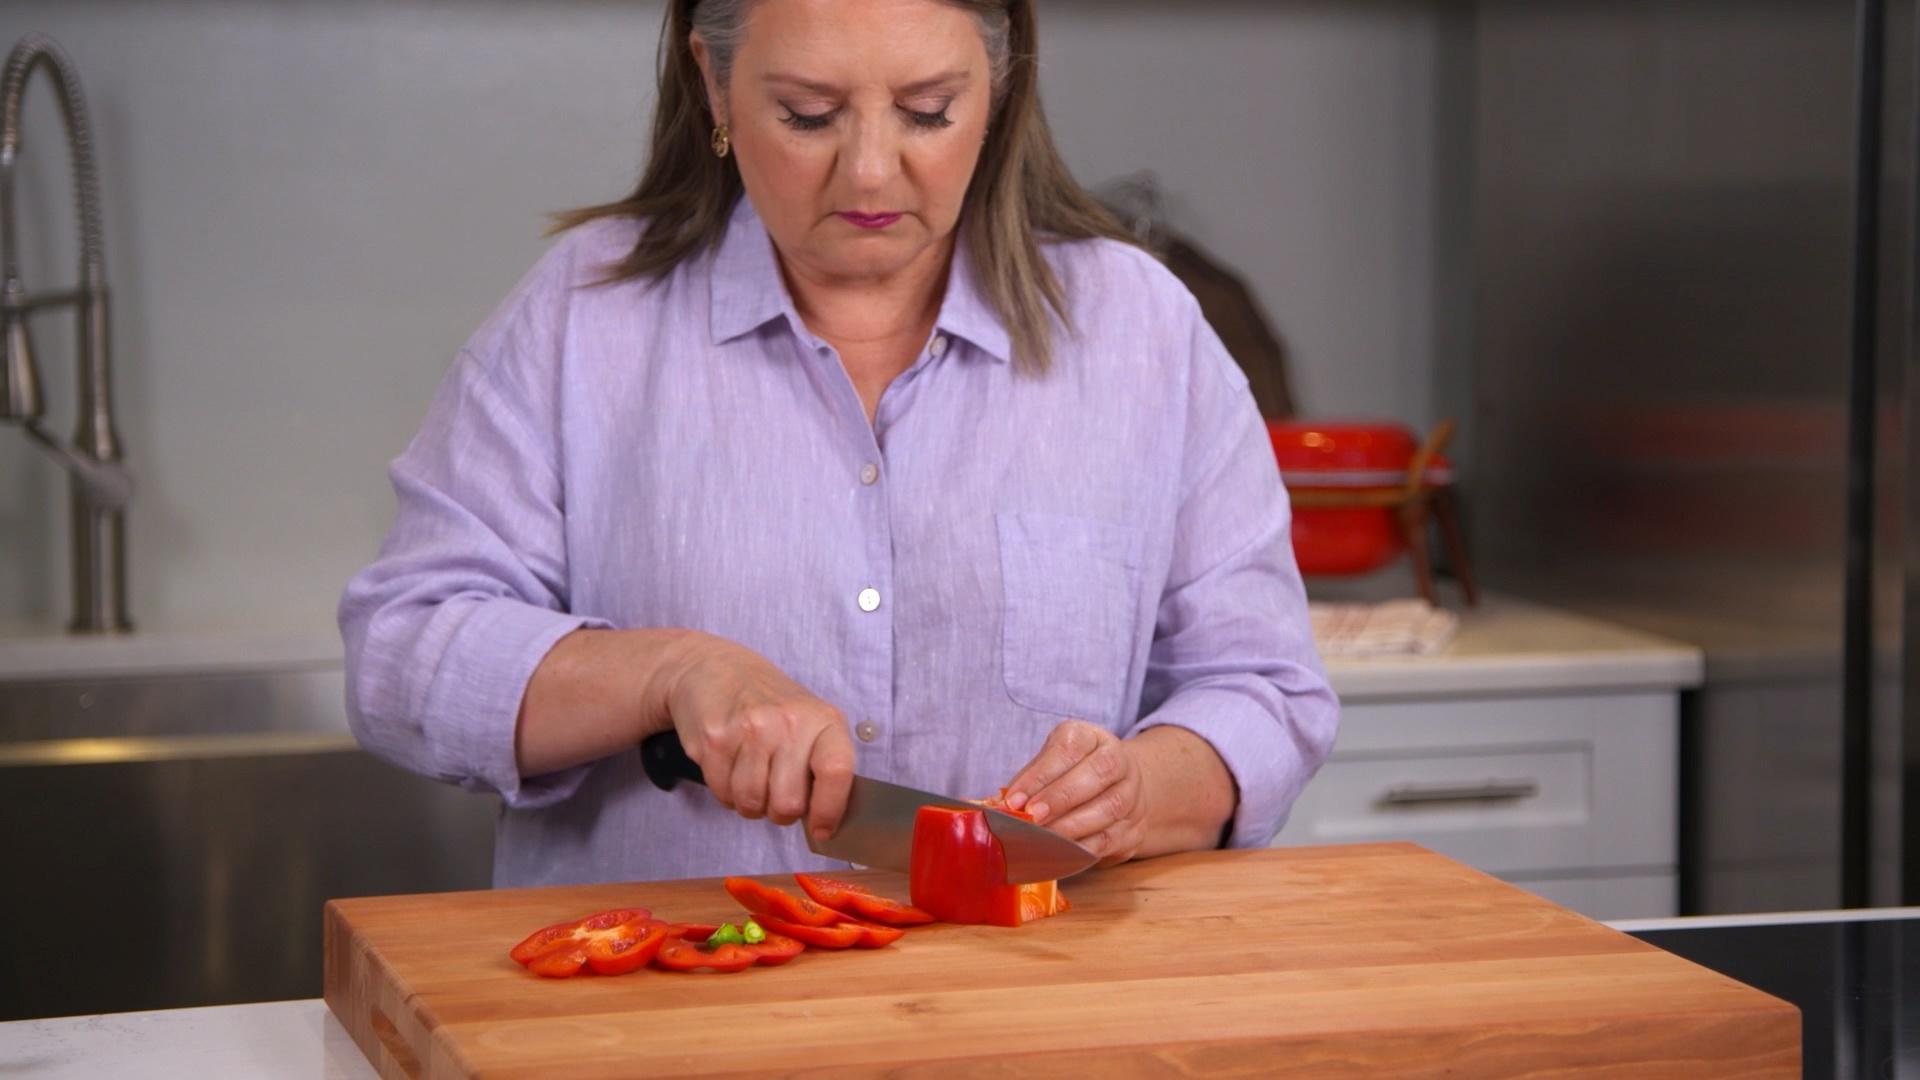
1330,961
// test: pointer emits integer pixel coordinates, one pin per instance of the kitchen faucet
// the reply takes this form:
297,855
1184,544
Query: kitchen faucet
98,484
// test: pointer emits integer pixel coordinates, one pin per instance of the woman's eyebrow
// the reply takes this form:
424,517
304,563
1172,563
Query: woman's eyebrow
945,80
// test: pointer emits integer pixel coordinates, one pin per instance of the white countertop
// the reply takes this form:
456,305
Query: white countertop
1504,646
1510,646
294,1040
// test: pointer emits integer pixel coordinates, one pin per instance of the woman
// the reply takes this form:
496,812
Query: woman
853,441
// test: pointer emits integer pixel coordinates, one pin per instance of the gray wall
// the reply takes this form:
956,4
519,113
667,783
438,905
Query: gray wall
309,205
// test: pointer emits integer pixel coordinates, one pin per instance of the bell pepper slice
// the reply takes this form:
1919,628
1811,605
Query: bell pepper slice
772,950
839,936
679,954
562,949
562,962
873,935
959,873
682,951
627,947
771,900
775,949
845,934
548,938
858,901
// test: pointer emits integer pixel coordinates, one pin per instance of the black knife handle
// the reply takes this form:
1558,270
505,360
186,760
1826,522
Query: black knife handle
666,761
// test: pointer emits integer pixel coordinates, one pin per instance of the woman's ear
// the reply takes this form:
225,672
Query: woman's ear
716,101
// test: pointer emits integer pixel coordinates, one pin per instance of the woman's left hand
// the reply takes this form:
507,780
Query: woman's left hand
1085,784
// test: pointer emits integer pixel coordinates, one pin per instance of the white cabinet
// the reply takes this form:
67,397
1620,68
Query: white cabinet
1559,777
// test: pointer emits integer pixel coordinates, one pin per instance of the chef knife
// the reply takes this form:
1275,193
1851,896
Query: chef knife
877,829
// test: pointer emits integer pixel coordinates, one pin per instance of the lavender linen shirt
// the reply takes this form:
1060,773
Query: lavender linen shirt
996,553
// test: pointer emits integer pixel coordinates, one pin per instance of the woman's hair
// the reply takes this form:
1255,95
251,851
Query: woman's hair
1020,195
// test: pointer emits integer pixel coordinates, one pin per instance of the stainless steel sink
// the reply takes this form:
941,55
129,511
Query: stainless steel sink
168,841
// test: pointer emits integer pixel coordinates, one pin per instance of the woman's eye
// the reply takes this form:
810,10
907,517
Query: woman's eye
800,121
937,119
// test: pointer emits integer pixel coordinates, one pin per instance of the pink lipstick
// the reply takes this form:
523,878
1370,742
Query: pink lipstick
869,221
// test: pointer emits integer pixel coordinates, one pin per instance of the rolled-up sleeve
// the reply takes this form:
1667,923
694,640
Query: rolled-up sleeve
445,628
1233,658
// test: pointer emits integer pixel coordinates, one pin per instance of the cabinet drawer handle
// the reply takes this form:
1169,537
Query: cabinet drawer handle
1402,794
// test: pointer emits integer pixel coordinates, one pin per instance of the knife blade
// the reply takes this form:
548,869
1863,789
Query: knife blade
877,829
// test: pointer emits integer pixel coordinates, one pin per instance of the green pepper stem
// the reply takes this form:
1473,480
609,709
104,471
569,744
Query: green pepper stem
728,934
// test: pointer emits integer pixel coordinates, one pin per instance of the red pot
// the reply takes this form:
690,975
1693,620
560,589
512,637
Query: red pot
1341,446
1353,456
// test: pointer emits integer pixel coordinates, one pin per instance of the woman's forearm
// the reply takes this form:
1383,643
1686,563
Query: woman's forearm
597,692
1188,790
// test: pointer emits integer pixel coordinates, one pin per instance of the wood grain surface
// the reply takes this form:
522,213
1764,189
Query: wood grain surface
1330,961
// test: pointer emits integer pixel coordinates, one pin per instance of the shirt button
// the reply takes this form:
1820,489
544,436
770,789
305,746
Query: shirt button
869,599
939,346
869,473
867,731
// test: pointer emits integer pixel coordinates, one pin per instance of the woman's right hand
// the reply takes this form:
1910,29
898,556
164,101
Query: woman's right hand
767,746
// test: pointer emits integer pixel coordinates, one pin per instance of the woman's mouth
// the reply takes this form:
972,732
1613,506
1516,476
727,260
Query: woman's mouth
868,221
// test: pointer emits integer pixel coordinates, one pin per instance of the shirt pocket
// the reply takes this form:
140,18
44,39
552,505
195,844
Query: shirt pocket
1070,591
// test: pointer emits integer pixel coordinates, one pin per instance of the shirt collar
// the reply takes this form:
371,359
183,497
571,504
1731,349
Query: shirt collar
967,314
747,290
748,293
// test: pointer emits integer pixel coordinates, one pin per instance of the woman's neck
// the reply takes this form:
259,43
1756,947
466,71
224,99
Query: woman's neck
873,311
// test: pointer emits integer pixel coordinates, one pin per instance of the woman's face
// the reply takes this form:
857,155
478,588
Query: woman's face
856,125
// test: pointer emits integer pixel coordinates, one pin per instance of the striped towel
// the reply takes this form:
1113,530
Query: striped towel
1395,628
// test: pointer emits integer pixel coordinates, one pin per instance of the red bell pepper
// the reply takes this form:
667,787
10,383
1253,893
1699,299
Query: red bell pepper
687,949
843,935
682,951
610,943
959,873
872,934
847,933
771,951
777,949
762,899
859,902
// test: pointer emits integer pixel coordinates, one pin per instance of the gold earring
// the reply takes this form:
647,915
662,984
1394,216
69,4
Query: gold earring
722,142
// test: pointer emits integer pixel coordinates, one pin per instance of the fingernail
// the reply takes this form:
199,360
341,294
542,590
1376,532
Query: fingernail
1017,800
822,835
1038,810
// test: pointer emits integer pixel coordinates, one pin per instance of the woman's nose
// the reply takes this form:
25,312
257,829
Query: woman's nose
873,156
